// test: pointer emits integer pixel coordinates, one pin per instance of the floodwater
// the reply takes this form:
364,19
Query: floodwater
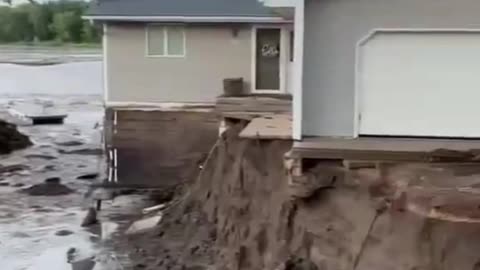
43,232
72,79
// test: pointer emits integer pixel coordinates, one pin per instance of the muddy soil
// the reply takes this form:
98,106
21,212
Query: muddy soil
209,220
240,214
11,139
45,192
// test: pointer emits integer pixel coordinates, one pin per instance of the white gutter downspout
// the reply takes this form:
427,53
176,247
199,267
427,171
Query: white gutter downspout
105,63
293,165
299,32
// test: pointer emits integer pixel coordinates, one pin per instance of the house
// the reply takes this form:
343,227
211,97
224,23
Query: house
165,51
369,73
164,66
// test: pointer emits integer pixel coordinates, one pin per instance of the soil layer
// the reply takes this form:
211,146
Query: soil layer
240,214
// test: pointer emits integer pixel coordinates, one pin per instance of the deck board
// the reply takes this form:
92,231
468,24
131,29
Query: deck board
376,148
253,105
269,127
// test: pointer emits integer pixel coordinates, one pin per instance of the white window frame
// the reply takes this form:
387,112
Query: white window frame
284,43
165,41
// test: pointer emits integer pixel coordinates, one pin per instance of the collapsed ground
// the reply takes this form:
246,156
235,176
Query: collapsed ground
243,213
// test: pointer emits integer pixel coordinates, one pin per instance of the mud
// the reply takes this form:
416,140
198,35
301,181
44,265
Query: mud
11,139
240,214
88,176
36,232
49,188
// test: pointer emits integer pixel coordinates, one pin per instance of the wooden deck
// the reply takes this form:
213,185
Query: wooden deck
397,149
251,106
273,127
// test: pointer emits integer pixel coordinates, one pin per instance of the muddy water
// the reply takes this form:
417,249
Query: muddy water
43,232
82,78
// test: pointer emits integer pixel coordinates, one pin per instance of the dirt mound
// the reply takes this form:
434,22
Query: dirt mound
11,139
184,240
240,215
357,223
51,187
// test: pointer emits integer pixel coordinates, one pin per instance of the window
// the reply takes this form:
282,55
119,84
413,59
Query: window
165,41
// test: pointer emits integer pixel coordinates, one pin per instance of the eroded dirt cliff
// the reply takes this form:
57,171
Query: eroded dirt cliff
241,213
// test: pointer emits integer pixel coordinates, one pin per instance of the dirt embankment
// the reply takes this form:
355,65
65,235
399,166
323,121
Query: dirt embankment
240,214
11,139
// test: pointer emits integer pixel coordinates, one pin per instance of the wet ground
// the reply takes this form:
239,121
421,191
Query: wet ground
38,232
44,232
48,55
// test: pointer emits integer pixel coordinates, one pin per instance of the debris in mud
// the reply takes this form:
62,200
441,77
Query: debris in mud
53,180
295,263
47,119
163,196
63,233
102,194
40,156
154,208
11,139
71,253
82,151
69,143
91,218
195,267
88,176
47,168
79,261
13,168
144,225
51,187
86,264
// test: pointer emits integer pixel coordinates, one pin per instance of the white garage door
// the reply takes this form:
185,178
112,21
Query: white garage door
420,84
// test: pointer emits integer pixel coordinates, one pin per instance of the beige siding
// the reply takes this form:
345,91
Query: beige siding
212,54
333,28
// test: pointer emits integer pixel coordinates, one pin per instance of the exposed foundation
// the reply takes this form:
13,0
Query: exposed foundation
155,148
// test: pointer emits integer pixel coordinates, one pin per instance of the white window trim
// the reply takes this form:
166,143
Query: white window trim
282,61
165,42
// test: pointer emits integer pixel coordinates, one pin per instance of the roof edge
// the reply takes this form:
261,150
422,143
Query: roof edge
190,19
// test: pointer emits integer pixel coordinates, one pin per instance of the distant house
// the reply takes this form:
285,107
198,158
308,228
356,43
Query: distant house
386,68
179,51
164,66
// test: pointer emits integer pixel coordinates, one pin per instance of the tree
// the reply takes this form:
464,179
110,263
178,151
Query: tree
18,27
9,2
61,25
53,20
90,33
40,17
4,21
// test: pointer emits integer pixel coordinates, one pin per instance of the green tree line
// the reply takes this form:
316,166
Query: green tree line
59,21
